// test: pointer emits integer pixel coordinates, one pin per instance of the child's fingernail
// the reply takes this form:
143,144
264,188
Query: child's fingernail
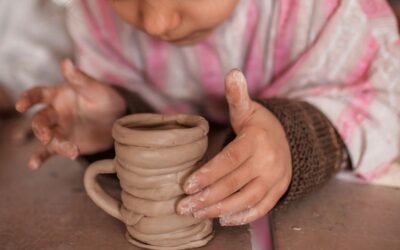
240,218
33,165
201,214
224,221
236,78
43,133
229,220
46,138
186,206
204,170
69,64
70,149
203,196
192,185
74,152
69,67
20,107
72,74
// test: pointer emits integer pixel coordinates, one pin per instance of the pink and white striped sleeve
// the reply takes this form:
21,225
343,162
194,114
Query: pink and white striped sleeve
371,124
352,74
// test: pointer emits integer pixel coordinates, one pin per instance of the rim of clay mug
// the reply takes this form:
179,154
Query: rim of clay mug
131,130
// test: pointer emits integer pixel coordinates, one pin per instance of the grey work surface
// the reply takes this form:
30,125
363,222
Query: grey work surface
49,209
341,215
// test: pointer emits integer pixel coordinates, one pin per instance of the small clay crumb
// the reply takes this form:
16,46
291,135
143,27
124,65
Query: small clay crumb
296,228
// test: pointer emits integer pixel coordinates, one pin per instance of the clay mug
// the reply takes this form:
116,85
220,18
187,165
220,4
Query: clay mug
154,155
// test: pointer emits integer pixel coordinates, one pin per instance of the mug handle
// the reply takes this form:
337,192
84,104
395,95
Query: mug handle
96,192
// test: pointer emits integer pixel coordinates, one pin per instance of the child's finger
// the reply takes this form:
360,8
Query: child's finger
63,147
218,191
43,123
238,98
230,158
254,213
246,198
78,80
39,157
35,96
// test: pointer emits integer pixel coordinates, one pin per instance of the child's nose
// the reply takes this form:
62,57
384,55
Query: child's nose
160,22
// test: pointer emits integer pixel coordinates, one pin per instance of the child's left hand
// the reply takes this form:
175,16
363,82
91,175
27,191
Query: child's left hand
249,176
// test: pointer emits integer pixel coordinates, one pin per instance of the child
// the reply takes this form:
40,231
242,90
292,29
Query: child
321,91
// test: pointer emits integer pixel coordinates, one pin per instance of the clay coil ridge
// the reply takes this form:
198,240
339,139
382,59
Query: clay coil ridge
189,245
149,226
165,224
131,218
130,130
161,157
163,193
182,233
173,239
162,146
157,172
149,208
180,241
130,179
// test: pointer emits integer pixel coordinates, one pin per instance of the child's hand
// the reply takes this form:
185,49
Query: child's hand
78,116
246,180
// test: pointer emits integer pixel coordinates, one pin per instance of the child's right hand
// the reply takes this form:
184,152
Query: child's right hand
78,116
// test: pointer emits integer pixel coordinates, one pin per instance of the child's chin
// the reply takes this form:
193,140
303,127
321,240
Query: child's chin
185,43
189,41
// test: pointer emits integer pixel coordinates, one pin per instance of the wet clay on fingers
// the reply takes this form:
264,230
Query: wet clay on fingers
154,155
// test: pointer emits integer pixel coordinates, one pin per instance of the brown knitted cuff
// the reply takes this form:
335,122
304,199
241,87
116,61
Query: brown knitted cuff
134,102
317,150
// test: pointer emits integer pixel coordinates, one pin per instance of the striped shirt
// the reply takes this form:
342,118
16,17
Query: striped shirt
342,56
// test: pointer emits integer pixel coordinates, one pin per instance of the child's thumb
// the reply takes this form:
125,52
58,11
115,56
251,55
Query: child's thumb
77,79
238,98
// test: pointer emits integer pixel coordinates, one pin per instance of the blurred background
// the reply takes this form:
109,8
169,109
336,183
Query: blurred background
33,40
